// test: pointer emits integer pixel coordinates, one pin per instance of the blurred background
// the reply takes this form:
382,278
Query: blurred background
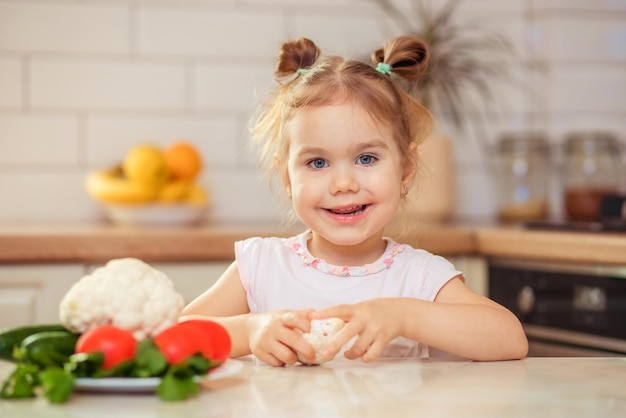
83,81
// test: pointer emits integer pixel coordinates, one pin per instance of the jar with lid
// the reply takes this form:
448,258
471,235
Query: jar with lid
522,176
591,172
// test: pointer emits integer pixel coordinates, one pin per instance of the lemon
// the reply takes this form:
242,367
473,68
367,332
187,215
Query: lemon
145,164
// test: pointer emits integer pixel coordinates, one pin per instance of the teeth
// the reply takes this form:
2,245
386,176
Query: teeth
349,211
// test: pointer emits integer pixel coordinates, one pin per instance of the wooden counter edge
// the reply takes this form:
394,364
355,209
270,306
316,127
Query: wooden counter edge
215,243
185,244
576,247
99,244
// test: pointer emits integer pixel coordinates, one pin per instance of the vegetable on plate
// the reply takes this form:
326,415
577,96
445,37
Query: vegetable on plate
47,348
126,293
116,344
10,338
220,341
119,321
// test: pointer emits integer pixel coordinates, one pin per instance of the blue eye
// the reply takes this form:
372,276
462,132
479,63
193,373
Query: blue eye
367,159
317,163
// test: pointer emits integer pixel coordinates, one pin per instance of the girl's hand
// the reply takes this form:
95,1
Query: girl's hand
275,337
374,322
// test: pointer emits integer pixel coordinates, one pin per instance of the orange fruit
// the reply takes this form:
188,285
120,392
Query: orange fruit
183,160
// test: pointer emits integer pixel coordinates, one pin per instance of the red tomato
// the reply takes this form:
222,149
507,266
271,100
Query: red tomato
116,344
181,341
221,343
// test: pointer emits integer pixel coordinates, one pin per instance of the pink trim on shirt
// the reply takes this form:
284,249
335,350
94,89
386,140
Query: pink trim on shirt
299,248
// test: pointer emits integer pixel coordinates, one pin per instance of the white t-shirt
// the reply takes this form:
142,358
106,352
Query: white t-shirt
280,273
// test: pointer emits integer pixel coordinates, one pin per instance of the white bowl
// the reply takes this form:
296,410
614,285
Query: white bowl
155,214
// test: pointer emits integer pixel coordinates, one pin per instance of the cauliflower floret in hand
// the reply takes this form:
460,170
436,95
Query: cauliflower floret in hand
126,293
322,331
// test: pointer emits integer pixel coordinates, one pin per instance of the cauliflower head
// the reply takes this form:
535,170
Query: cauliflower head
322,331
126,293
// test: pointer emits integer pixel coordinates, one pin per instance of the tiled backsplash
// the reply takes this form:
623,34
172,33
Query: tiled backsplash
82,81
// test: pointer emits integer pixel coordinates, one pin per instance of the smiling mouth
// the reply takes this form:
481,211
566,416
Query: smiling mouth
352,210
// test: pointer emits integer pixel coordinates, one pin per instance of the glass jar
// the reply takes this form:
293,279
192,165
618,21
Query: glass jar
523,172
591,172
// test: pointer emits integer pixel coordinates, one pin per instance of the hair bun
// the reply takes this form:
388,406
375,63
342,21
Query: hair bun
407,55
295,55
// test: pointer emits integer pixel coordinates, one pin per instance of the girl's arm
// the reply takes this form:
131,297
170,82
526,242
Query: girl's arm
272,337
471,325
459,321
224,302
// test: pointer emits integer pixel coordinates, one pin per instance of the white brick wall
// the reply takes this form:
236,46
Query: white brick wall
97,84
21,134
82,81
205,31
10,82
60,26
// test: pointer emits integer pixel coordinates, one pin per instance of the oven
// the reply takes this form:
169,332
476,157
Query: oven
567,309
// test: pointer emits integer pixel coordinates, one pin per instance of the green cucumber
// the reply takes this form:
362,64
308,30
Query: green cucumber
48,348
11,338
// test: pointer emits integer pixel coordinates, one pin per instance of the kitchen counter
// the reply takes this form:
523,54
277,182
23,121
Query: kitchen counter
101,242
542,387
32,243
564,246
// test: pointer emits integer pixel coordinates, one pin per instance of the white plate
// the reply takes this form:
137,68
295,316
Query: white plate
147,384
155,214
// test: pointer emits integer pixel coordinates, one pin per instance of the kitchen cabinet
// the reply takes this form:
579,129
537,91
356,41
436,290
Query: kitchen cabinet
30,294
192,279
474,270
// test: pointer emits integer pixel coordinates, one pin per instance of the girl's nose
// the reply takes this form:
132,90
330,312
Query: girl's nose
343,182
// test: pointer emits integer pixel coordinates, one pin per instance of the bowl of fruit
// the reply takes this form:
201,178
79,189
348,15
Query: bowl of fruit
152,186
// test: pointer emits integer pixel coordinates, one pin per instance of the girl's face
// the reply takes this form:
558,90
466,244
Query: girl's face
345,174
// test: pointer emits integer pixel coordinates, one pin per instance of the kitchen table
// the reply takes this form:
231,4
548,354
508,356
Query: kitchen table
533,387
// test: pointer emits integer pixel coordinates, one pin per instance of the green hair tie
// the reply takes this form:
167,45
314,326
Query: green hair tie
301,71
383,68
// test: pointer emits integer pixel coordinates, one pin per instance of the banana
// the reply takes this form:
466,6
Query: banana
196,195
174,191
110,186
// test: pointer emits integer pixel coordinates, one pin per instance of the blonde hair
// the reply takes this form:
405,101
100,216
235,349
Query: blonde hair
304,79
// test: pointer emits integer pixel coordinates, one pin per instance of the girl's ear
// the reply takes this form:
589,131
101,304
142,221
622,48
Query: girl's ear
409,168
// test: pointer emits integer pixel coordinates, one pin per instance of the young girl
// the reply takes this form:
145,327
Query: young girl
342,137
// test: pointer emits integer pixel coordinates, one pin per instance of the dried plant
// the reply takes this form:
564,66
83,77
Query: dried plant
466,59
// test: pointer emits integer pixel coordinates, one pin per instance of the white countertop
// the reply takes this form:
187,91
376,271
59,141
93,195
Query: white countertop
533,387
